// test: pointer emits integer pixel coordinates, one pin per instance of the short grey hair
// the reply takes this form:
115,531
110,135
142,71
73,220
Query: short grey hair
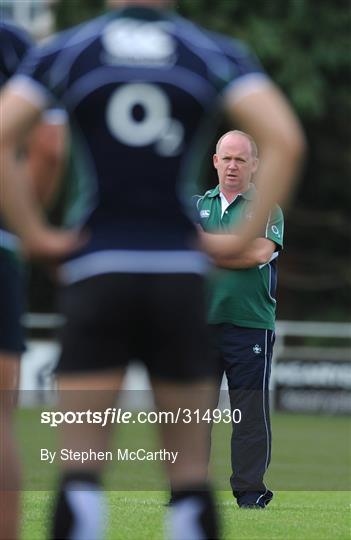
254,149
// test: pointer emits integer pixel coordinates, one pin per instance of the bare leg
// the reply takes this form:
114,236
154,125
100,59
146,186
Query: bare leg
80,504
10,477
95,391
192,440
191,515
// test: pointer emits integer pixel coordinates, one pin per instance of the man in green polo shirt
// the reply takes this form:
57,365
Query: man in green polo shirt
242,308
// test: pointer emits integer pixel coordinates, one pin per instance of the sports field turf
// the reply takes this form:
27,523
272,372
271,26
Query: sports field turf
139,516
311,458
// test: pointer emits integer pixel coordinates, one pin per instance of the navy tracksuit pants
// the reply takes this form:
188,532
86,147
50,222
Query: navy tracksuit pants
246,355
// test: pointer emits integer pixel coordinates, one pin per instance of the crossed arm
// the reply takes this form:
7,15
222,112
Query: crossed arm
220,249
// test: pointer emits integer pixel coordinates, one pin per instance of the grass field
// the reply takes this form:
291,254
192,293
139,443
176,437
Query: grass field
139,516
310,473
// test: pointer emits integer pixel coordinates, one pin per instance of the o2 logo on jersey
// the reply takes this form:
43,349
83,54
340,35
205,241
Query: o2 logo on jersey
275,230
138,114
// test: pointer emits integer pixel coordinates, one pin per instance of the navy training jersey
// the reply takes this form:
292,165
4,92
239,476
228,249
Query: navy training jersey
14,44
141,87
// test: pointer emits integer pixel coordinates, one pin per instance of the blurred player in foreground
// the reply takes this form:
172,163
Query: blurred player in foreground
139,85
38,163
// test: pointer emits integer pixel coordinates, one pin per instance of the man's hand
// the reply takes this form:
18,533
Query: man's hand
50,243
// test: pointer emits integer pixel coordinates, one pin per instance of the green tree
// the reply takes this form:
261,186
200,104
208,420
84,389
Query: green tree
72,12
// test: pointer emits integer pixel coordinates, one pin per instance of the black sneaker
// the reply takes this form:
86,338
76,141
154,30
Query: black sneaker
255,499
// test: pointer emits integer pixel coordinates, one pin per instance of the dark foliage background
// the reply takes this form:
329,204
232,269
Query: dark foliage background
305,46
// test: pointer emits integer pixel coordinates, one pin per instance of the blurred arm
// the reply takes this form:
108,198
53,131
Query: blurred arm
46,157
266,115
18,205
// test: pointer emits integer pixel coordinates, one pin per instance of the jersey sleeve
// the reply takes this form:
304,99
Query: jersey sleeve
46,72
196,207
14,45
244,71
275,227
42,76
33,80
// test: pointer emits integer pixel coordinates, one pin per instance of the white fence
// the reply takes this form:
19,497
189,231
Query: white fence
304,378
314,379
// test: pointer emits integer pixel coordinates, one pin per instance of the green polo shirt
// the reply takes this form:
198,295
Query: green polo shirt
242,297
